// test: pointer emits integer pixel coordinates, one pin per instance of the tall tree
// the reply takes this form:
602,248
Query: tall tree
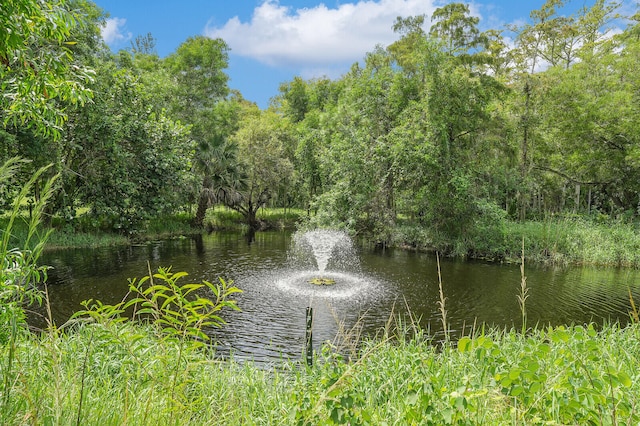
590,119
360,163
200,83
126,162
263,140
458,30
555,42
216,160
454,25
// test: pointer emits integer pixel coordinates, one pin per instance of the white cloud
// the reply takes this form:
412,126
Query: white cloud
317,38
113,31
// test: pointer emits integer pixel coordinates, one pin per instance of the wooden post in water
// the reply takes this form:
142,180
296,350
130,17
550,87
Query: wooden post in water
309,337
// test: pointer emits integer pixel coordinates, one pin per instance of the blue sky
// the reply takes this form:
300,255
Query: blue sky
273,41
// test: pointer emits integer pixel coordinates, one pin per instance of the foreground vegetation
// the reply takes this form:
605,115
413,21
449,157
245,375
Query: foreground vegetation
124,374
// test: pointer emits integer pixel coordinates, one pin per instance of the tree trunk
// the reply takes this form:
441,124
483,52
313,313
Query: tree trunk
203,205
522,191
251,217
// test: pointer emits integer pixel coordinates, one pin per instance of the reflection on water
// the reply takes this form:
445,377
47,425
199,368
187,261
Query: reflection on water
276,289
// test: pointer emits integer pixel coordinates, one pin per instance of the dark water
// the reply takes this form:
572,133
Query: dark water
370,287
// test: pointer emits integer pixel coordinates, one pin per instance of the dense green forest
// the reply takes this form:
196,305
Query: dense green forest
444,136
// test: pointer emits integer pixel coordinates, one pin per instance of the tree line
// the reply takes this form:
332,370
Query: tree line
452,129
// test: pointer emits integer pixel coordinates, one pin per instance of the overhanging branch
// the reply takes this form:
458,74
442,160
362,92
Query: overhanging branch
569,178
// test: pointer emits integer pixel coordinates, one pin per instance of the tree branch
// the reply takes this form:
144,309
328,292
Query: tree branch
569,178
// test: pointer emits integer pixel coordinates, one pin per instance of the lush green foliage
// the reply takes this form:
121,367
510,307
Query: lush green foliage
36,64
120,373
129,162
263,142
456,133
179,312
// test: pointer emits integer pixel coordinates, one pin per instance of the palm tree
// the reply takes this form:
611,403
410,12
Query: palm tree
222,177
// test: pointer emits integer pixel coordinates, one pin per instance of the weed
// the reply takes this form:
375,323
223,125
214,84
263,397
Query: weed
634,311
441,303
524,292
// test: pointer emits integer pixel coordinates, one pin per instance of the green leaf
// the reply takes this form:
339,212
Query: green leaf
516,390
514,373
411,398
464,344
625,379
168,301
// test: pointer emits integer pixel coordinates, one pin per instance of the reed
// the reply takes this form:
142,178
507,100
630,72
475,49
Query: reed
61,239
524,292
634,311
19,272
442,302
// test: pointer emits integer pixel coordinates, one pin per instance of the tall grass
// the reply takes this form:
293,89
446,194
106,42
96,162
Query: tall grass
577,241
558,241
524,292
61,239
169,225
442,303
223,218
122,374
19,273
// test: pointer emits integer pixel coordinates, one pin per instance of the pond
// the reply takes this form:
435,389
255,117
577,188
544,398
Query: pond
371,286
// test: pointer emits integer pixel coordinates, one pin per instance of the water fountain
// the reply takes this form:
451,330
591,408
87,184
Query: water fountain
324,243
325,264
325,274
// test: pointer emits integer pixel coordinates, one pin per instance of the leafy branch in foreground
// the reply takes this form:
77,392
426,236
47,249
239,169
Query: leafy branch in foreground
179,311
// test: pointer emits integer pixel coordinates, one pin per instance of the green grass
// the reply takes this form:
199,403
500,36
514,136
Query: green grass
223,218
559,241
175,224
122,374
577,241
61,239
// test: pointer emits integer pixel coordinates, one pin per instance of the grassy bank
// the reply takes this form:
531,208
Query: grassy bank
559,241
222,218
114,374
79,234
